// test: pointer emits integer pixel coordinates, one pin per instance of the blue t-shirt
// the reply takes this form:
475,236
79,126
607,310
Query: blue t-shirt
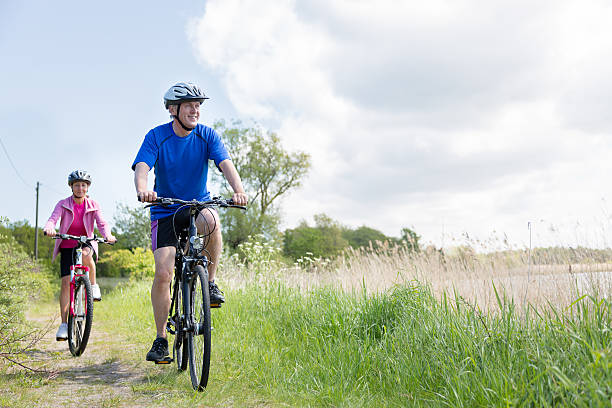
180,163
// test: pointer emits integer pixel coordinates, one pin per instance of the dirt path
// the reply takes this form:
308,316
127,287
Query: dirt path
101,377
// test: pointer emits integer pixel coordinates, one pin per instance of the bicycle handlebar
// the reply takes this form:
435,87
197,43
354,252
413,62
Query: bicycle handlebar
83,239
215,202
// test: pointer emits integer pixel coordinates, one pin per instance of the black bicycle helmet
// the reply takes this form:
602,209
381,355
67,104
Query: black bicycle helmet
79,175
183,92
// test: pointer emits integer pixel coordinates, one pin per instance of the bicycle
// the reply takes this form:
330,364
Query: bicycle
189,319
80,311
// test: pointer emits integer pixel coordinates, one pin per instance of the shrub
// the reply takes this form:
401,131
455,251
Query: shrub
21,280
133,263
259,254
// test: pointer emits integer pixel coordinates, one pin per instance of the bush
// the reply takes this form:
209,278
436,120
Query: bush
258,254
133,263
21,280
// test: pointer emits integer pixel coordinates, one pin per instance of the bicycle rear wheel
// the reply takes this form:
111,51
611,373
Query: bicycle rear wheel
179,349
79,323
198,339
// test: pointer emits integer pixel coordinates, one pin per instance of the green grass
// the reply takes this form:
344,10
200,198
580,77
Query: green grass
277,346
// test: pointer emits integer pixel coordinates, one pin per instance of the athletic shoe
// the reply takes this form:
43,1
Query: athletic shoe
95,291
216,295
62,332
159,350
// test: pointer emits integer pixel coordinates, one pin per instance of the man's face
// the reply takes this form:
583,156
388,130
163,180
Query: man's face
79,189
189,113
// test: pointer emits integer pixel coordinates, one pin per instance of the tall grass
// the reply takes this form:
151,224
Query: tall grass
390,327
277,344
549,275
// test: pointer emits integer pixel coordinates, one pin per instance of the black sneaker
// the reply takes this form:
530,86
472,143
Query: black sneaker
159,350
216,295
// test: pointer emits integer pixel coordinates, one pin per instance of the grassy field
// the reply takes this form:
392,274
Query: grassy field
379,329
277,345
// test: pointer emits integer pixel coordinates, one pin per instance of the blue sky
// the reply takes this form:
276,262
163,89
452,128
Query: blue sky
450,117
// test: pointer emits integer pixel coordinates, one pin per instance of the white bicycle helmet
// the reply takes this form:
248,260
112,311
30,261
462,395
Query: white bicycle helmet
183,92
79,175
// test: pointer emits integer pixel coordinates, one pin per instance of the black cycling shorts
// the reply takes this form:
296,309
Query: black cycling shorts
164,231
67,260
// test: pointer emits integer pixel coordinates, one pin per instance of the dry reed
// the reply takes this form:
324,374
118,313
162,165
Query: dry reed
556,276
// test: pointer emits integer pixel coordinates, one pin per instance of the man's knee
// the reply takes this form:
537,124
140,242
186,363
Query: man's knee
164,265
208,223
162,275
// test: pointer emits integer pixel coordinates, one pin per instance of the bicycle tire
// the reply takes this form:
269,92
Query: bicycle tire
198,339
179,350
79,323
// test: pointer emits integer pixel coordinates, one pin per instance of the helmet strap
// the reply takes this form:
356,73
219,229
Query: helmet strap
178,111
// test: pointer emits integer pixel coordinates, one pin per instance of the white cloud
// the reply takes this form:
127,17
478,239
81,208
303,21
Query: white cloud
417,111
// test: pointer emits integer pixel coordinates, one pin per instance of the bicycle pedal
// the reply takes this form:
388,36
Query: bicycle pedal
166,360
215,305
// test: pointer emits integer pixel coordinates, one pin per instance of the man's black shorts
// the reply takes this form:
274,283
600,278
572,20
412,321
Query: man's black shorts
164,231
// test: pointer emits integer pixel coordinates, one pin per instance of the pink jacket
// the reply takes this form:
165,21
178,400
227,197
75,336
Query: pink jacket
64,212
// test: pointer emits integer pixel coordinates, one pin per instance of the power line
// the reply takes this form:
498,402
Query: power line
15,168
19,175
52,189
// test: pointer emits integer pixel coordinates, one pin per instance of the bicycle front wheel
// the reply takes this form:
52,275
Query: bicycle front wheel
198,339
80,316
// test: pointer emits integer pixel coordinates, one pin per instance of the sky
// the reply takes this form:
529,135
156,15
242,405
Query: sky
462,120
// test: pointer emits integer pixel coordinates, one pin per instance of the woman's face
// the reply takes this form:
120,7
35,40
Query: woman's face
79,189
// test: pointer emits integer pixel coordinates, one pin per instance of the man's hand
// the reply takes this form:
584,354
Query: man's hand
49,232
147,196
240,199
111,239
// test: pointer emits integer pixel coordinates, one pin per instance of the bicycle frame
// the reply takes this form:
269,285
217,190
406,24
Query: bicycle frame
184,264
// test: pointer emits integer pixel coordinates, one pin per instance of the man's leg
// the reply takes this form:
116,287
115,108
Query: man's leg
160,291
207,224
210,225
160,299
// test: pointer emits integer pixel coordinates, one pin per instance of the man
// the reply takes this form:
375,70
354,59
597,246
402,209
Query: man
179,151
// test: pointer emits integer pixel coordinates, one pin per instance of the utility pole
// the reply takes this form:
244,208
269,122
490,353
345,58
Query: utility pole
36,226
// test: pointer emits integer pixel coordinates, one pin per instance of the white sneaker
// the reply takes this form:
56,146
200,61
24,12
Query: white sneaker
95,290
62,332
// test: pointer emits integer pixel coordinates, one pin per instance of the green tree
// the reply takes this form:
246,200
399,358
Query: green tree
23,233
267,171
410,239
132,227
323,240
362,236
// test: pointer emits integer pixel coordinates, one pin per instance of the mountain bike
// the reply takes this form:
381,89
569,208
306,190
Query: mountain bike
189,319
80,312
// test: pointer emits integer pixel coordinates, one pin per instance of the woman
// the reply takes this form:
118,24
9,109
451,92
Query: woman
77,214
